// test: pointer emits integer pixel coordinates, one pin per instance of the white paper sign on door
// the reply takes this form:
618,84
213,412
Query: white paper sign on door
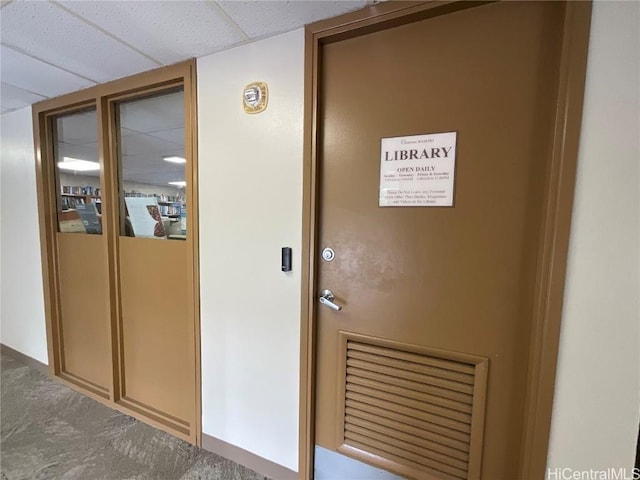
418,171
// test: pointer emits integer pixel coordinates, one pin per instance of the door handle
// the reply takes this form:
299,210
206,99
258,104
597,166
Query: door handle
326,298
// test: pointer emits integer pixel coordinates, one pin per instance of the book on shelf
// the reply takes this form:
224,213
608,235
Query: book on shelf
160,197
78,191
169,209
69,203
183,219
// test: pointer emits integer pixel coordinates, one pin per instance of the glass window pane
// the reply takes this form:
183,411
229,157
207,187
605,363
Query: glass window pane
152,167
78,173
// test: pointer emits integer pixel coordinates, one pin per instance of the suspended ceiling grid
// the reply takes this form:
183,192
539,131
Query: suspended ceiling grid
49,48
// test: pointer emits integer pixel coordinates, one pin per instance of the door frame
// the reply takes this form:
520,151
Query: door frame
553,242
102,97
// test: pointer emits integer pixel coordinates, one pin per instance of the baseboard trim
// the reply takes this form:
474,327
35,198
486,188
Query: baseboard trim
247,459
26,359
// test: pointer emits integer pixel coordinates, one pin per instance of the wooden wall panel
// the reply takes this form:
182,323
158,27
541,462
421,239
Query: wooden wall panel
157,349
84,321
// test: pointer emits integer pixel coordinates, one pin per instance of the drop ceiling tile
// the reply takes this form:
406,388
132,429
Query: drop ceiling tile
81,152
148,169
153,114
78,128
260,18
142,144
43,30
36,76
79,178
175,135
168,31
153,180
148,163
175,171
12,98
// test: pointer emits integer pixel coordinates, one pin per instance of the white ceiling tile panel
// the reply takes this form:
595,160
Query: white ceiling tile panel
168,31
146,165
81,152
152,179
43,30
79,178
125,132
260,18
78,128
36,76
175,135
153,114
13,98
142,144
149,171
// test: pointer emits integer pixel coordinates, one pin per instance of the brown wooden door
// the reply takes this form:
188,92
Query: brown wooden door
81,252
155,259
117,176
423,372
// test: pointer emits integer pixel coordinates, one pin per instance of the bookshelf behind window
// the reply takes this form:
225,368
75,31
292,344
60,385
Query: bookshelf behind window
171,206
70,198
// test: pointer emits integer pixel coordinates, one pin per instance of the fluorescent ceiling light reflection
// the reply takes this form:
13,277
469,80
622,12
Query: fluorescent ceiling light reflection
78,165
174,159
181,183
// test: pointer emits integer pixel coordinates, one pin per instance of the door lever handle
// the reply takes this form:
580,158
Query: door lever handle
327,297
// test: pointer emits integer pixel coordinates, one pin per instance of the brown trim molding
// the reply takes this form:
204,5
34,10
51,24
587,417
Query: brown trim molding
307,327
554,241
26,359
191,98
245,458
556,219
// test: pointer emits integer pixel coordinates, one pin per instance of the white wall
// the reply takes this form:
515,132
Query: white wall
250,206
22,324
597,397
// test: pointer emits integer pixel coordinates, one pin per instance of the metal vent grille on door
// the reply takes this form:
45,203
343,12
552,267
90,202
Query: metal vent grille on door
413,411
